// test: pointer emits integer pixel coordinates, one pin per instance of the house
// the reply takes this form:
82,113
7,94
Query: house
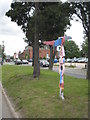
44,52
28,53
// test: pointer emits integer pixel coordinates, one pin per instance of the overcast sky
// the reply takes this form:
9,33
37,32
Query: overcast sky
12,34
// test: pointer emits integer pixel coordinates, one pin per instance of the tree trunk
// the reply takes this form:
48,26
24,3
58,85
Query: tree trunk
36,71
33,57
51,58
88,71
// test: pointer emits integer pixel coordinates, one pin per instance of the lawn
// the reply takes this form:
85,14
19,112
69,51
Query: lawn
39,98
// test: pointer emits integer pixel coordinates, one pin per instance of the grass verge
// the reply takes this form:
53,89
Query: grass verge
40,98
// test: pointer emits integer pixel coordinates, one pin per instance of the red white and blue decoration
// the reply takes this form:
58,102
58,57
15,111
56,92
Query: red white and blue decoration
60,42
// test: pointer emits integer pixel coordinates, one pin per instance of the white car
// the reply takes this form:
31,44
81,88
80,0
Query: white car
18,62
24,62
86,60
69,60
44,63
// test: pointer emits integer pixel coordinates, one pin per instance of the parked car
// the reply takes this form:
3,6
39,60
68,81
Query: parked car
44,63
72,60
55,60
69,60
81,60
18,62
30,60
75,59
86,60
24,62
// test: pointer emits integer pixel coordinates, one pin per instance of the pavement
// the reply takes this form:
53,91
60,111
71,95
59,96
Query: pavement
6,108
6,112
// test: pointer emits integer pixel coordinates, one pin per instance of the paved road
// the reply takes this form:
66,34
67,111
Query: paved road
75,72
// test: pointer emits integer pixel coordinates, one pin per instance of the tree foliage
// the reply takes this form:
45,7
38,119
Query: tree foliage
71,49
82,10
54,18
47,22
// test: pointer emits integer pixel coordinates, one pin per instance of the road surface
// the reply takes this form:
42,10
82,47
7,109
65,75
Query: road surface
74,72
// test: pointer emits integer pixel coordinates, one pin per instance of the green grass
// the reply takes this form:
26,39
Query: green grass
40,98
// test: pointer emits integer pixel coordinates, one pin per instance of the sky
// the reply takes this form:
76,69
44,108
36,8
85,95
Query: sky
12,34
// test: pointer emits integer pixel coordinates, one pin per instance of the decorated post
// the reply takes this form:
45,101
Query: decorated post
61,69
60,41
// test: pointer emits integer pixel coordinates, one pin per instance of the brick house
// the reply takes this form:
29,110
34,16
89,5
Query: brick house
28,53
